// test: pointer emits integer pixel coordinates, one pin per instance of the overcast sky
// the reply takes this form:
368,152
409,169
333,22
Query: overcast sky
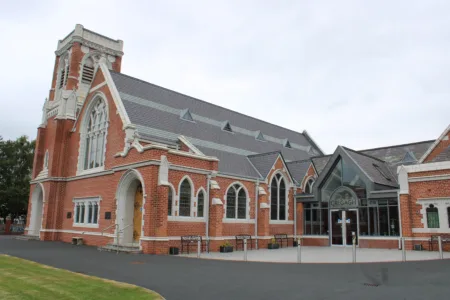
357,73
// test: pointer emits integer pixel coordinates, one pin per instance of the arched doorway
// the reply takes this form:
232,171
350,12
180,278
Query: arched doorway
37,203
130,198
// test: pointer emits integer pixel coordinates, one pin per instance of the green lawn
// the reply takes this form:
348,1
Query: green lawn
23,279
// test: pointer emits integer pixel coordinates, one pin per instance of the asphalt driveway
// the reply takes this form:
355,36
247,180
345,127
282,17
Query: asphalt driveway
190,278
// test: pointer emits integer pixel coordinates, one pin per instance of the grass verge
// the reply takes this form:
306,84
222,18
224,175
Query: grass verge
23,279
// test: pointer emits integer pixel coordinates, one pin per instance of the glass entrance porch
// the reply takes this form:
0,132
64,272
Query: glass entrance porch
342,205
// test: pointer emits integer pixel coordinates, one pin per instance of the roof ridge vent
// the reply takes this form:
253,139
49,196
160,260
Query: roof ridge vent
260,136
226,126
186,115
287,144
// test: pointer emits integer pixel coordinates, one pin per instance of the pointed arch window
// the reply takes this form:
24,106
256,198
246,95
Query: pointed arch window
185,198
46,160
95,136
236,202
63,71
309,186
169,202
200,204
278,199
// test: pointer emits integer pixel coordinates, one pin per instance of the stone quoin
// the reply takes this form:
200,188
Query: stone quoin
122,161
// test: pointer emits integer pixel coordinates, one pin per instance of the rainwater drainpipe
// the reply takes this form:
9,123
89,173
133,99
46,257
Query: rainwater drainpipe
399,221
295,214
256,213
207,210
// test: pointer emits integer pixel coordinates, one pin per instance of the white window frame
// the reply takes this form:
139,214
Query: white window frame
247,203
92,223
84,132
441,204
205,201
176,207
287,187
310,181
174,196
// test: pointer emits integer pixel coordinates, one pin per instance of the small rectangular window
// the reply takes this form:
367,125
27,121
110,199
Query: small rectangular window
86,211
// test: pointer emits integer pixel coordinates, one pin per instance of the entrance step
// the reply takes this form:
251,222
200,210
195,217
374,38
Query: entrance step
127,248
26,237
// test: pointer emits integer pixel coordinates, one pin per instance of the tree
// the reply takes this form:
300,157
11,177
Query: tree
16,163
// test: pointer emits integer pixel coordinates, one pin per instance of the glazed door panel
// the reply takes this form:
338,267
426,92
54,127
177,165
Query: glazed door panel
337,237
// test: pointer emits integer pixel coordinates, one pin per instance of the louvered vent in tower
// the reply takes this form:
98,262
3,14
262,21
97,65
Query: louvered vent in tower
88,72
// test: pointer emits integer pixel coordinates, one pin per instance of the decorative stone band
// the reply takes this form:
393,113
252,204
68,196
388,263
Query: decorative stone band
79,232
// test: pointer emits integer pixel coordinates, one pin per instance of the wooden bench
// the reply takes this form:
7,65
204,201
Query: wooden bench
189,240
280,237
445,238
76,240
240,241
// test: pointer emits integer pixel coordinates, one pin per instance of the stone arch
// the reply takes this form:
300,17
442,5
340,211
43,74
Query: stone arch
125,198
37,210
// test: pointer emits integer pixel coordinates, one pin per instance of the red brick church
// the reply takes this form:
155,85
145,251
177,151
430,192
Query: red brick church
122,161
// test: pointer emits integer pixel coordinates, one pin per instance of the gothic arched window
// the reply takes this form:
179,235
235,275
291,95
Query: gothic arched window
236,202
185,199
63,71
169,202
309,186
278,199
95,136
200,204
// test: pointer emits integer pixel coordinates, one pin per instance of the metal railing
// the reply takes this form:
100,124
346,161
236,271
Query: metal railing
118,232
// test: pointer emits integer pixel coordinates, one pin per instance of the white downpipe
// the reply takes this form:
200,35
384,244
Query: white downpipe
256,213
208,183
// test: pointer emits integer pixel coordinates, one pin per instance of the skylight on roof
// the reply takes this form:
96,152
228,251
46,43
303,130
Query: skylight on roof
186,115
260,136
287,144
227,127
382,172
409,157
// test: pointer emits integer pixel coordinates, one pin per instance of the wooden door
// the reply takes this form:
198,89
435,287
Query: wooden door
137,219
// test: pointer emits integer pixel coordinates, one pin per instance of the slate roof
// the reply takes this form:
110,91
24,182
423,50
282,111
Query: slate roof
232,164
395,154
443,156
320,162
377,170
298,169
264,162
157,113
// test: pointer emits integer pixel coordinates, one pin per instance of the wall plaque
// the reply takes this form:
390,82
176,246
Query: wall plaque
108,215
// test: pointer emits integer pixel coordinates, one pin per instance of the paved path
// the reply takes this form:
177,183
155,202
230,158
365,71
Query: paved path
190,278
323,255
